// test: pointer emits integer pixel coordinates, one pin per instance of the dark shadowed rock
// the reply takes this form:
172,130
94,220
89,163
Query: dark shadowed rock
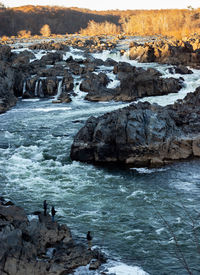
180,70
94,83
5,53
65,97
51,58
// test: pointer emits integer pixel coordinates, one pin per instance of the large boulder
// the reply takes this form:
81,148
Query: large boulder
142,134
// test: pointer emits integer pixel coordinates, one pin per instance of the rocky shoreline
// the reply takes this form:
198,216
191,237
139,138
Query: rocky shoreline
38,245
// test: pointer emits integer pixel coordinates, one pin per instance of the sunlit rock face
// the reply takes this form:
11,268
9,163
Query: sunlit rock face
170,52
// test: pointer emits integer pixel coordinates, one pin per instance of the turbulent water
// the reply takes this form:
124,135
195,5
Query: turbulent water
135,215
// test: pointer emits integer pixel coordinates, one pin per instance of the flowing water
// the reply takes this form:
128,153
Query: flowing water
135,215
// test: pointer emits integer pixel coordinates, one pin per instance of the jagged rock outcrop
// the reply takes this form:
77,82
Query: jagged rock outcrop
142,134
38,246
167,51
134,83
137,82
180,69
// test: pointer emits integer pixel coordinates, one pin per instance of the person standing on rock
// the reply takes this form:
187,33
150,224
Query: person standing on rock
89,240
45,207
53,212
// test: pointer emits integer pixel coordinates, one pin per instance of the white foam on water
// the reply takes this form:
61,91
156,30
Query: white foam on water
83,270
50,109
8,135
160,230
136,193
31,100
80,95
50,251
171,241
114,83
67,55
113,55
74,53
32,217
149,170
186,186
137,230
59,89
27,154
39,54
124,269
103,108
108,70
75,50
122,189
19,50
112,268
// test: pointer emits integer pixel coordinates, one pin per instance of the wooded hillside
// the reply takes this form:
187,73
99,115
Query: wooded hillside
60,20
72,20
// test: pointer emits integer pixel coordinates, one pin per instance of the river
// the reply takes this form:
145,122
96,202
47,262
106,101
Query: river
135,215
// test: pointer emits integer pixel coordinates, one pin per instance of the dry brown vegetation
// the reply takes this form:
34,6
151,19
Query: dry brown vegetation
24,34
174,23
177,23
106,28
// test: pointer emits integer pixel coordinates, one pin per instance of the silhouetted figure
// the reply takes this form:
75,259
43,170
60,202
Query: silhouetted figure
89,240
45,207
53,212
